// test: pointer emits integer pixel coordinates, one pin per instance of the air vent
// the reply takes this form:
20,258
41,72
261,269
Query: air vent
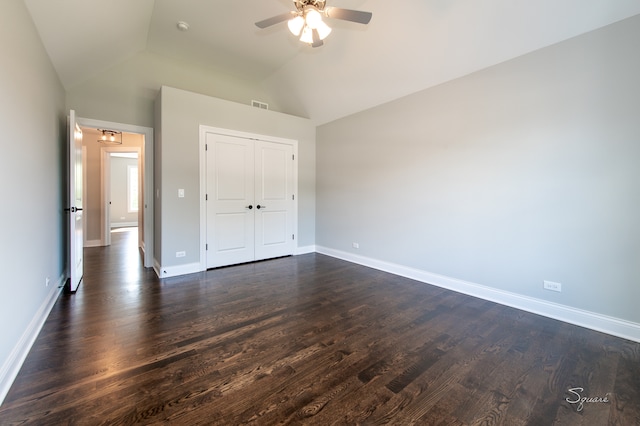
259,104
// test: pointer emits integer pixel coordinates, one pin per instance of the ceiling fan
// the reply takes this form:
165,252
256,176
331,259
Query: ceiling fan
306,21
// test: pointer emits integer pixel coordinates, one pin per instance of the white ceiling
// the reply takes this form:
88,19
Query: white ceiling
409,45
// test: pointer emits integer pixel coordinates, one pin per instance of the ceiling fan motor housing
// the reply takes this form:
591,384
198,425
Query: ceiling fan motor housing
301,4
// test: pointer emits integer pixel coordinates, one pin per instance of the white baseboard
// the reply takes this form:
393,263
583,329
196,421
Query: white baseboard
9,370
93,243
174,271
191,268
594,321
305,250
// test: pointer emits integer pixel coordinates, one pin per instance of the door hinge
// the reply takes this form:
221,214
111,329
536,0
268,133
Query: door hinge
206,147
293,197
206,197
293,156
206,246
293,236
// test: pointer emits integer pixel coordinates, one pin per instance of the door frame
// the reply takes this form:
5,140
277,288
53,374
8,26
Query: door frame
148,200
203,179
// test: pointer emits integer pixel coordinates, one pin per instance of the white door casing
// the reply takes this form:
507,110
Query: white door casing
76,239
147,179
249,205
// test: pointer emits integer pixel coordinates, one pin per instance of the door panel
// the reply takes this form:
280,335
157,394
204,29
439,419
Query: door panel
271,174
233,167
230,192
273,228
231,233
274,184
76,217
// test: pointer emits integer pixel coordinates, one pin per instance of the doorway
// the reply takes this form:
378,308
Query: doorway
97,161
122,189
125,193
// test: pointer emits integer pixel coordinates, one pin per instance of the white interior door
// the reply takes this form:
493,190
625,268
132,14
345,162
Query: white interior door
76,241
230,200
274,200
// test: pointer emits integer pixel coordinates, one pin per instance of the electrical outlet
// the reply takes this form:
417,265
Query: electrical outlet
550,285
181,253
356,245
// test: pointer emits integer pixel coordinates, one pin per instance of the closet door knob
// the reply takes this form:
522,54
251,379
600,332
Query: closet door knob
260,207
250,207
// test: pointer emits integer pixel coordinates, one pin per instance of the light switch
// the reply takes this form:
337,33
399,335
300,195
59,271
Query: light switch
180,193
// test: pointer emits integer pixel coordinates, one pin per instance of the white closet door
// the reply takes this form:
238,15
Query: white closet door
274,200
230,206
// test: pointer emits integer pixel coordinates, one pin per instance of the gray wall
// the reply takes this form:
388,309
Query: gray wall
125,92
177,160
523,172
33,124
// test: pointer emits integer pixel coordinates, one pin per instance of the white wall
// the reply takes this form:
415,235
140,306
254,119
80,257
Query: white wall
523,172
32,246
177,160
120,214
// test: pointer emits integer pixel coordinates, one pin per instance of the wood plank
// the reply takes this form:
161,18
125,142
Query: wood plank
308,340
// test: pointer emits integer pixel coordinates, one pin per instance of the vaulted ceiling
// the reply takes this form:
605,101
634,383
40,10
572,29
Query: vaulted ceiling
409,45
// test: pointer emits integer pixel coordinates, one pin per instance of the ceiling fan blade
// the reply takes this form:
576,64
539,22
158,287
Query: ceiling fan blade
275,20
316,39
349,15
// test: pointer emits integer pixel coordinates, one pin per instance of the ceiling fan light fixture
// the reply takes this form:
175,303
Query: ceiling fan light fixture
312,17
312,21
306,22
323,30
295,25
307,35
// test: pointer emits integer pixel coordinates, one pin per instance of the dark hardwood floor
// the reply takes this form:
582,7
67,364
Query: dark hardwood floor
308,340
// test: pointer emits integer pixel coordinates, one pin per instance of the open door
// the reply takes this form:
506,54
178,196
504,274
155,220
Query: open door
76,242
